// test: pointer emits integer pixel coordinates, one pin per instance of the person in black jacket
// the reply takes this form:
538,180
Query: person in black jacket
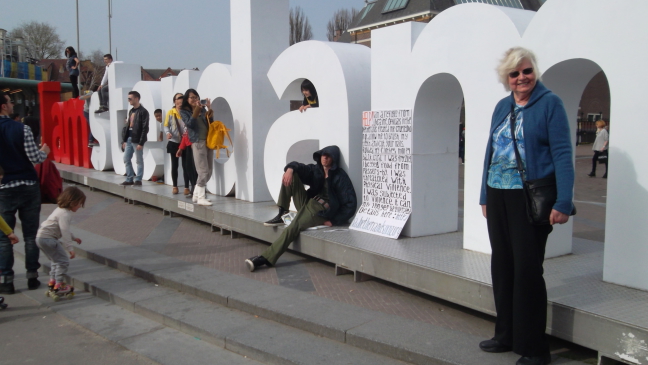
330,201
134,133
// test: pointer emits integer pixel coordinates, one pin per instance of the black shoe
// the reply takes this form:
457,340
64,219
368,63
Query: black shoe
253,262
7,288
534,360
101,109
591,174
494,346
137,183
33,283
125,183
276,221
605,175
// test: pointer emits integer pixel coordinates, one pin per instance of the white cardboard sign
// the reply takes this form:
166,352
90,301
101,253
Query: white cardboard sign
386,172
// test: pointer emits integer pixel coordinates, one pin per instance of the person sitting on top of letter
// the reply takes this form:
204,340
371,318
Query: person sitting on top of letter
330,200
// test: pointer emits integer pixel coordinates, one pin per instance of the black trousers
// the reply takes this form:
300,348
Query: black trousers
74,79
516,267
189,168
595,161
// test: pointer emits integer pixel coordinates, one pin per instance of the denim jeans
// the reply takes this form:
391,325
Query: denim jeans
26,201
90,137
128,161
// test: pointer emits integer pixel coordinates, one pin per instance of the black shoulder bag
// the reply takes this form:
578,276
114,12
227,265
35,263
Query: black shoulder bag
540,194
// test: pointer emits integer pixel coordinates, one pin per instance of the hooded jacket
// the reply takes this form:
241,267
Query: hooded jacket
342,196
547,139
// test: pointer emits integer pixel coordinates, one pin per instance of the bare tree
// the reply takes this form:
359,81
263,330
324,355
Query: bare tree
92,69
340,22
300,28
41,40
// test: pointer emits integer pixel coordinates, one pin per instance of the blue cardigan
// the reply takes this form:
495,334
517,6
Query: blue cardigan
547,143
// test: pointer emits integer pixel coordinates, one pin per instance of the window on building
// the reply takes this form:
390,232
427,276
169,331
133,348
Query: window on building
508,3
393,5
366,10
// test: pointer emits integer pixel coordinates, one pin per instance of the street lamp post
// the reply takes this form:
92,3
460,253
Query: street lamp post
78,43
109,31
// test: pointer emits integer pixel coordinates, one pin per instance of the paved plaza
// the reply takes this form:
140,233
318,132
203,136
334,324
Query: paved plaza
192,241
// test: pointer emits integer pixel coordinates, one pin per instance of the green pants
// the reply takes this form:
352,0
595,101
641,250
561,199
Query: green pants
306,217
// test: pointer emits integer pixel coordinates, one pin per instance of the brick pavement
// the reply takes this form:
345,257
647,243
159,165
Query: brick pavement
193,242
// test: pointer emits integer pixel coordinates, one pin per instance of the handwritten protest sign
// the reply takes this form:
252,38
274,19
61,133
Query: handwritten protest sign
386,172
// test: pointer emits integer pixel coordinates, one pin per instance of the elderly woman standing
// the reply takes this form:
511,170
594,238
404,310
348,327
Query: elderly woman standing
600,147
518,246
197,122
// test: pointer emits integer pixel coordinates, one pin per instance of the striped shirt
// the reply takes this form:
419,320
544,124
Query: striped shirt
34,154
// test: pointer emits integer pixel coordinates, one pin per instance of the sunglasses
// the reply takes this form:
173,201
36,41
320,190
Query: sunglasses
526,71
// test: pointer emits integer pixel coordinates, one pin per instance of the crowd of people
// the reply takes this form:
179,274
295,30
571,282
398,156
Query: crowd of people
529,140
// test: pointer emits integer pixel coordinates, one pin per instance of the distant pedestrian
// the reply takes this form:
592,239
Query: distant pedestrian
87,97
104,95
72,65
462,143
310,96
55,239
134,136
19,194
158,118
600,148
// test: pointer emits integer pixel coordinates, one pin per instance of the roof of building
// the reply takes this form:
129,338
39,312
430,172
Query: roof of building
374,14
158,73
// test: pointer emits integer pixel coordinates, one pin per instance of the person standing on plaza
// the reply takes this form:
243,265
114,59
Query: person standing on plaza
104,95
600,147
19,193
134,133
542,136
197,122
329,201
87,96
72,65
174,127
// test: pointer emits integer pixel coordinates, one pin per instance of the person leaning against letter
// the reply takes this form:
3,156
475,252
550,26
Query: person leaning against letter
518,247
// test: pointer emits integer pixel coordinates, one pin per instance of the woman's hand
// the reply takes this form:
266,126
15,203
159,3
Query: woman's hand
196,110
78,240
287,177
208,103
179,153
303,108
169,135
484,210
557,217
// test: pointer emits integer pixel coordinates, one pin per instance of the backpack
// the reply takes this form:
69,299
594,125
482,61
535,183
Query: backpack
51,184
216,137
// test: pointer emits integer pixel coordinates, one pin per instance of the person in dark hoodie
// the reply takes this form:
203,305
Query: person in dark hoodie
330,201
542,136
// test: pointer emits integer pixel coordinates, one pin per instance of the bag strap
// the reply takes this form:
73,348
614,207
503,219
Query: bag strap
518,159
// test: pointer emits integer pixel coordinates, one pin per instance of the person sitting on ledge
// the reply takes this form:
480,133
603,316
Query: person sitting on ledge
330,200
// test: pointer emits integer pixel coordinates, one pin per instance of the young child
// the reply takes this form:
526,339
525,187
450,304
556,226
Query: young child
54,239
4,227
158,118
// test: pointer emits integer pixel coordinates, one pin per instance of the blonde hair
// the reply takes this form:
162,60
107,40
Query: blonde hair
600,124
70,197
512,59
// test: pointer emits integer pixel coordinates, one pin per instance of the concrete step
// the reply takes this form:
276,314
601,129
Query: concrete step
134,332
132,286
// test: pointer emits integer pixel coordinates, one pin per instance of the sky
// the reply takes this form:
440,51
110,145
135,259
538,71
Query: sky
154,33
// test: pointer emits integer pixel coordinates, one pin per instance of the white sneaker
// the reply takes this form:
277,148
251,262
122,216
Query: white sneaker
199,193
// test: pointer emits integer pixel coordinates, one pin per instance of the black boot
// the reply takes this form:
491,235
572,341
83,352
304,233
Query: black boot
592,174
253,262
7,288
33,283
276,221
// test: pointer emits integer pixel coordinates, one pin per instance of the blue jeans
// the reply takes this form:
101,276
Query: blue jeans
128,157
90,137
26,200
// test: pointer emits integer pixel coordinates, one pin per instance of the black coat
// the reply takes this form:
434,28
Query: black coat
342,196
140,126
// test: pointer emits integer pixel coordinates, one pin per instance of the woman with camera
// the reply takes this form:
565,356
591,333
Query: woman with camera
197,122
529,140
